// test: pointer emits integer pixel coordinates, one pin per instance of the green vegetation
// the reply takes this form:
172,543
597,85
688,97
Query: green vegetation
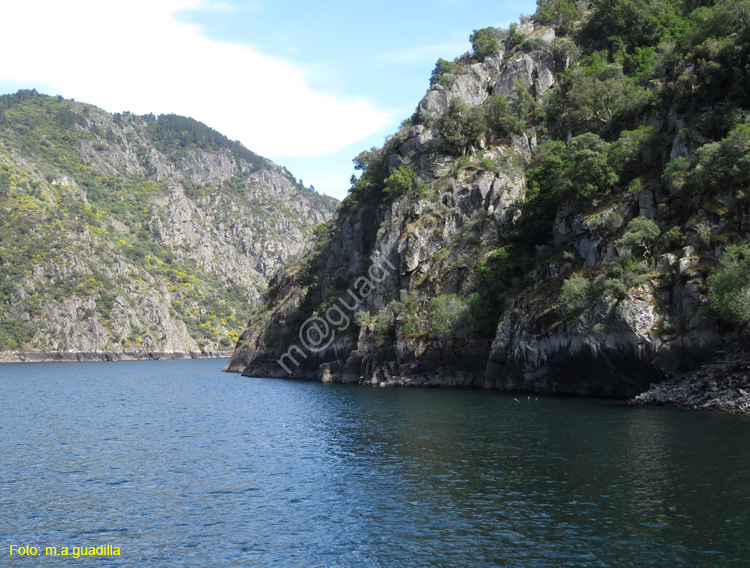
563,14
503,118
77,229
460,127
402,180
729,286
497,277
576,293
172,132
14,333
485,42
450,316
641,233
445,73
646,126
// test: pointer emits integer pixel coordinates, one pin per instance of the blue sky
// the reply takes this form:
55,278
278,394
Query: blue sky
307,84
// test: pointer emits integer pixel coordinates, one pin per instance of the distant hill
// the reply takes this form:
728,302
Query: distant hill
135,234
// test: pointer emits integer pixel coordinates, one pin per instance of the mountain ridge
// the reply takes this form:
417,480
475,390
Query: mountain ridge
135,234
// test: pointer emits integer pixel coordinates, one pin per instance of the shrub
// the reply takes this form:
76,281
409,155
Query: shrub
615,287
14,333
449,316
576,292
500,117
460,127
675,172
563,14
634,151
322,231
485,42
402,180
724,165
593,94
589,169
445,73
674,237
640,233
729,286
503,270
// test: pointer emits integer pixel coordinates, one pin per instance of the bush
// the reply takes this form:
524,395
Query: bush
615,288
623,25
578,169
634,151
402,180
322,231
485,42
729,286
500,117
503,270
724,165
445,73
14,333
563,14
460,127
592,95
576,292
640,233
589,169
449,316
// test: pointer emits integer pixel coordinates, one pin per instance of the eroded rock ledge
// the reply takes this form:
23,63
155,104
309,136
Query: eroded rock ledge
722,386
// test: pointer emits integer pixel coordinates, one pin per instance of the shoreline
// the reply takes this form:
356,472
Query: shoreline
721,386
104,356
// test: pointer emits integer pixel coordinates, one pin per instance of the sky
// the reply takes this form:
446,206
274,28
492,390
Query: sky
306,84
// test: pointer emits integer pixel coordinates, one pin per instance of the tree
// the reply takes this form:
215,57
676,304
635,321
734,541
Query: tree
4,184
622,25
563,14
576,292
593,94
460,126
723,165
444,72
641,232
589,170
400,181
729,286
634,151
500,117
450,316
485,42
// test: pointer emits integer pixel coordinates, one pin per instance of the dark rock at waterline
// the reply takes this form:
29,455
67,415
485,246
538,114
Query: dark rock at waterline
722,386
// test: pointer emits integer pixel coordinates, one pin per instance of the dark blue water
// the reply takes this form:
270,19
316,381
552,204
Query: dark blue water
180,465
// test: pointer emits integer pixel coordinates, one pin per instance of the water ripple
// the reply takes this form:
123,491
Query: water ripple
180,465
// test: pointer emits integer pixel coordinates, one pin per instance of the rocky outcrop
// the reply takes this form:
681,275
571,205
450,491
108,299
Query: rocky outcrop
622,335
722,386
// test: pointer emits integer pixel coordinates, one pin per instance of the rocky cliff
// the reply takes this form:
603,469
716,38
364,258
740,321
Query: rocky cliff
543,223
134,234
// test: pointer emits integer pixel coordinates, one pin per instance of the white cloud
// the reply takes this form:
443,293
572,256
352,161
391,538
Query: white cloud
224,6
134,56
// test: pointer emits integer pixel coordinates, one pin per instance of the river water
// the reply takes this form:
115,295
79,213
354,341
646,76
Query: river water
180,465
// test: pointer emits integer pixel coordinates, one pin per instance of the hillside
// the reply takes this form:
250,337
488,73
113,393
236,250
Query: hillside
135,234
554,217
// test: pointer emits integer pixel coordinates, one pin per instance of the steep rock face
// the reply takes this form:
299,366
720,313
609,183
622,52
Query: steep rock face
132,234
641,313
